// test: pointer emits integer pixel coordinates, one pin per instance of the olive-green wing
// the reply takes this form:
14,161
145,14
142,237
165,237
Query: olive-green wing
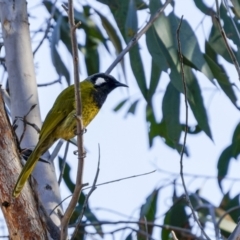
63,105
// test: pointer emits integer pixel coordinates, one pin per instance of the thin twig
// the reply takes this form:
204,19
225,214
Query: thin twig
47,28
231,17
137,36
152,224
174,235
56,150
186,131
234,60
23,119
25,123
211,210
100,184
118,230
59,80
197,175
87,197
120,179
81,155
63,163
146,227
226,213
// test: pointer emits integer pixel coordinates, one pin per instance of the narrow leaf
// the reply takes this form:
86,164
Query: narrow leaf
120,105
195,100
133,107
171,112
138,69
220,74
56,58
113,36
223,164
148,213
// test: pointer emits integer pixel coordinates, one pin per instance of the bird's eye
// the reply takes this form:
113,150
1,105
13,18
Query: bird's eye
100,81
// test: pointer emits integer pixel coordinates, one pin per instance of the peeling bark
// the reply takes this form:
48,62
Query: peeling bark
21,214
24,95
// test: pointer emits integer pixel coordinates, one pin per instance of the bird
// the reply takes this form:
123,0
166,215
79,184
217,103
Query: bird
61,122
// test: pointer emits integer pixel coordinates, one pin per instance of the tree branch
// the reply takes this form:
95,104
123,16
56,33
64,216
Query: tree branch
78,186
87,198
185,133
137,37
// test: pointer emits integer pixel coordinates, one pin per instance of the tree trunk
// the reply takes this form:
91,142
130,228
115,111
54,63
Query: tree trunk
23,95
21,214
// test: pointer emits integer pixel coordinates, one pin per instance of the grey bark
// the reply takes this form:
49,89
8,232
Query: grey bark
23,95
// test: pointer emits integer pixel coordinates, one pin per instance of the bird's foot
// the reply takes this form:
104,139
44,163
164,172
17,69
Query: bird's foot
84,130
82,156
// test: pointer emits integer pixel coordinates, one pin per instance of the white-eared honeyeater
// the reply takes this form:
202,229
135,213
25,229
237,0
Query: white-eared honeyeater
61,122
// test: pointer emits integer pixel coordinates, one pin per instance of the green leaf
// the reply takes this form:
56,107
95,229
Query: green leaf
171,112
228,202
216,40
236,134
223,164
148,213
120,105
232,151
154,81
138,69
113,36
133,107
153,126
216,43
193,54
91,57
236,142
129,237
56,59
203,8
131,25
89,26
154,45
131,28
236,7
176,216
190,47
166,28
197,200
196,101
119,9
159,130
153,6
64,34
229,28
140,4
220,74
230,218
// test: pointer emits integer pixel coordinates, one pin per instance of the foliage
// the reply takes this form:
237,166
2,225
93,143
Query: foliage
161,44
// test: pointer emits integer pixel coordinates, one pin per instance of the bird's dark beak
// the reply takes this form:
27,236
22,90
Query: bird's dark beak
118,84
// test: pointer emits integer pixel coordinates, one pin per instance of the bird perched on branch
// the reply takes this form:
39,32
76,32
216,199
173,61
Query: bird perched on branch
61,120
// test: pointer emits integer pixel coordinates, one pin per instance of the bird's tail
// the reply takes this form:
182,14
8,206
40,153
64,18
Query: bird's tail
27,170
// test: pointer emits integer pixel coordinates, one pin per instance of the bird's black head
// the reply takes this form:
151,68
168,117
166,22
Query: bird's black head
103,85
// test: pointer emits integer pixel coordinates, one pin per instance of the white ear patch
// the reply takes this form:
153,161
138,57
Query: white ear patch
100,81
